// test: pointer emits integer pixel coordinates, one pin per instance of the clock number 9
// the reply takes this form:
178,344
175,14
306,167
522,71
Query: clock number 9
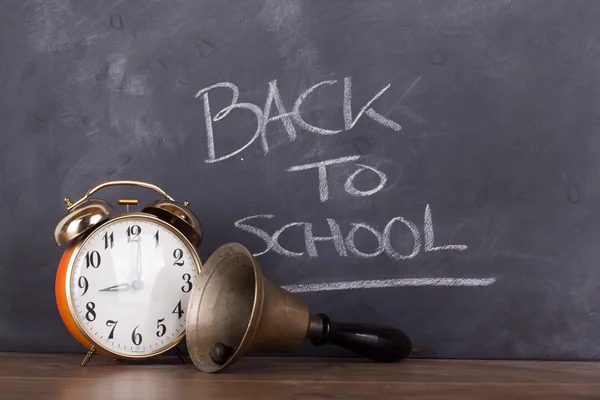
90,315
188,284
178,254
162,329
136,338
83,283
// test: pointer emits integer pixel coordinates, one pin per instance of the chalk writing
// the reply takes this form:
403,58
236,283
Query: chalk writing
346,245
349,122
400,239
222,114
352,247
322,168
385,283
349,184
430,238
288,119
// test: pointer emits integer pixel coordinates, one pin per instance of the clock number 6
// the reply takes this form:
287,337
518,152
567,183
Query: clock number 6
178,254
90,315
162,329
188,283
92,259
136,338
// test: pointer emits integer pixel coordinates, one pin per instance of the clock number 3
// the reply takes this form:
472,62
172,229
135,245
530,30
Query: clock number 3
188,283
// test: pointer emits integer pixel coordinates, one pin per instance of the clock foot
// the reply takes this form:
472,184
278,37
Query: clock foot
180,355
88,356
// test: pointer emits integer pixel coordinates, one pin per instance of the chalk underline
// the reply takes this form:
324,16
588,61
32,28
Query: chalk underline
387,283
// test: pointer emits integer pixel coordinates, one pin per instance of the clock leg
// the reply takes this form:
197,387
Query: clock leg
88,356
180,354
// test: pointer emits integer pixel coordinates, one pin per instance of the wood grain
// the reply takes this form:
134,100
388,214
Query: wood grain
33,376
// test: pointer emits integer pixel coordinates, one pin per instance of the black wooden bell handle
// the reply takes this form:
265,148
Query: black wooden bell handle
377,342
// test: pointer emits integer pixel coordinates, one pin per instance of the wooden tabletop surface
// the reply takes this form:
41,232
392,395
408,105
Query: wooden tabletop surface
45,376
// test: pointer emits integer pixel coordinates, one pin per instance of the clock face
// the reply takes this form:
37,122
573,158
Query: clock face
130,283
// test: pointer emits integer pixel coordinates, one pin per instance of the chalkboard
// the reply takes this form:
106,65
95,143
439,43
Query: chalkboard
433,165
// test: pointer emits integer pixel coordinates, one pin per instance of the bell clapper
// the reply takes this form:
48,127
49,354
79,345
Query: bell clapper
220,353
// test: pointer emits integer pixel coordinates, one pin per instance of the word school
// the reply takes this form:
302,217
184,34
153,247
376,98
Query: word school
346,245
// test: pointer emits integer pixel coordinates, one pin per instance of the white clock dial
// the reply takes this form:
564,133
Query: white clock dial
130,284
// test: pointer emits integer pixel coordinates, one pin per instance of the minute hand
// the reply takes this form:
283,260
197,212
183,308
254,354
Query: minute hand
138,266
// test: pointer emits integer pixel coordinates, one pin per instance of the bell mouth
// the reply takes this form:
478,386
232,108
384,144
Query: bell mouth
180,217
80,219
224,309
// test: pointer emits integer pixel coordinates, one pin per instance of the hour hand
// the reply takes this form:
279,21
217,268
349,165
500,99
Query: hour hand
122,286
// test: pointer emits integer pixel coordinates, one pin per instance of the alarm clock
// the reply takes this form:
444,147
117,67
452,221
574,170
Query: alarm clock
124,281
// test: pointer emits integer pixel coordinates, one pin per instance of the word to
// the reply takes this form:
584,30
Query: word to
349,184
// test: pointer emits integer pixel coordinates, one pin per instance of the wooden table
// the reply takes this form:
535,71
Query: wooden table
43,376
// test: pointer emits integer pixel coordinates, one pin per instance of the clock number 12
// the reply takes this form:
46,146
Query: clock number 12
133,232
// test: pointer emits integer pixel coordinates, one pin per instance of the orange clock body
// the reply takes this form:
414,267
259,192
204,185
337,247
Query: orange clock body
60,290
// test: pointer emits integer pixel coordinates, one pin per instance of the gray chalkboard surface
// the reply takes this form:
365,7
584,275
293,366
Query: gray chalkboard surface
434,165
